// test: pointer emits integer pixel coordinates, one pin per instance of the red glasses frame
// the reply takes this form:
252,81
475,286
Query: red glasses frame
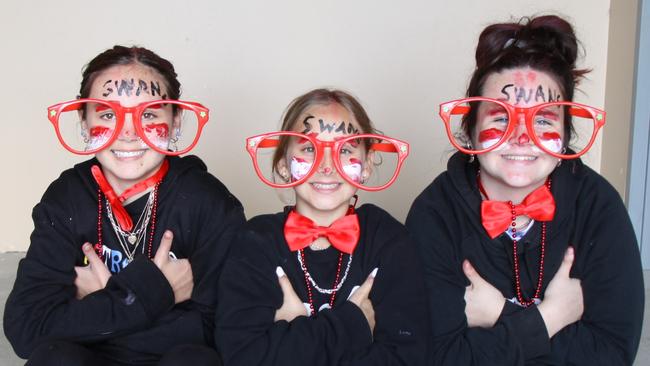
453,107
391,145
54,111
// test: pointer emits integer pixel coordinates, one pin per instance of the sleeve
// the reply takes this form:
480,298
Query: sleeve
217,226
508,342
402,321
42,304
246,333
609,267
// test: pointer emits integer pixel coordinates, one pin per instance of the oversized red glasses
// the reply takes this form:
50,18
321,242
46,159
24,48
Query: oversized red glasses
495,122
367,161
85,126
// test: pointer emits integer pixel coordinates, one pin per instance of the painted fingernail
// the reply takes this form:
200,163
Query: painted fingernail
373,274
307,306
279,271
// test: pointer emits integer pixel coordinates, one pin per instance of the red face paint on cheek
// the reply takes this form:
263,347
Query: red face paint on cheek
551,141
100,131
160,130
488,138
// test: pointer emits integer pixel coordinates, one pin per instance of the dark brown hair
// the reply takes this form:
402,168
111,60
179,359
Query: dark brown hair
545,43
320,97
120,55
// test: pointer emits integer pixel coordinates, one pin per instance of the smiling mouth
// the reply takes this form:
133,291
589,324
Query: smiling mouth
519,157
325,186
120,154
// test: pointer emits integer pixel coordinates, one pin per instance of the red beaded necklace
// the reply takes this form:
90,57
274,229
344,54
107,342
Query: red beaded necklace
306,274
540,278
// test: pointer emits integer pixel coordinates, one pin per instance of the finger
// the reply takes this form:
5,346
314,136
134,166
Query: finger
364,290
162,253
470,273
567,262
93,259
285,284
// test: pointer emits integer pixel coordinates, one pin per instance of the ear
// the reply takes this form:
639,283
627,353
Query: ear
368,166
282,169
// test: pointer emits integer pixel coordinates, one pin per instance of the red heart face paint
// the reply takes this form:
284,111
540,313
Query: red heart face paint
98,136
489,137
353,169
299,167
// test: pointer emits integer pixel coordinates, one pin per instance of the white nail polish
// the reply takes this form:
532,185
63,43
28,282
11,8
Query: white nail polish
307,307
279,271
373,274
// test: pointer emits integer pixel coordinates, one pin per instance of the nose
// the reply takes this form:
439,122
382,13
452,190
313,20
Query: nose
128,132
520,133
326,166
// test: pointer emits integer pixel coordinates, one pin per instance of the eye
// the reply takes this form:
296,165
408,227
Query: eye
544,122
107,116
148,115
308,149
500,119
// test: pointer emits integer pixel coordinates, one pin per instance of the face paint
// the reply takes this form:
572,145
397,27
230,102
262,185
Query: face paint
551,141
99,135
158,134
353,169
488,138
299,168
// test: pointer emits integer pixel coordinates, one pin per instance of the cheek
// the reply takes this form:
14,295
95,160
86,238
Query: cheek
299,168
352,169
551,141
158,134
98,136
489,137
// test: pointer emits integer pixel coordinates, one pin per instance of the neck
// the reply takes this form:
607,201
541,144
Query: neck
321,217
498,191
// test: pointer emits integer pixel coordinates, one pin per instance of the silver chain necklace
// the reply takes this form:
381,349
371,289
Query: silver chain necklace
327,291
133,238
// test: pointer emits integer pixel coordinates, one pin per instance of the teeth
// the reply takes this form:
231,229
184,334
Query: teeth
325,186
519,157
128,154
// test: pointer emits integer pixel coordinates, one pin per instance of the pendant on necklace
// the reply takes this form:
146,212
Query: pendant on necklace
132,238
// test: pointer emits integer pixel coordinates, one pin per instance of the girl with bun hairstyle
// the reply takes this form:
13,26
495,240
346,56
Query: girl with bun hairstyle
529,255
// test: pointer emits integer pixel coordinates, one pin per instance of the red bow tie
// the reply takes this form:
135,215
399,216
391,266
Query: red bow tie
123,218
496,216
300,231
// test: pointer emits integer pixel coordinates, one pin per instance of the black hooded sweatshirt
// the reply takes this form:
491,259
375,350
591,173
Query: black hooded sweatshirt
133,319
250,294
445,222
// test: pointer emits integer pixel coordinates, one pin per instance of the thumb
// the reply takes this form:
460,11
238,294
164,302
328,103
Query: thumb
93,259
162,253
364,290
470,272
95,263
567,262
285,284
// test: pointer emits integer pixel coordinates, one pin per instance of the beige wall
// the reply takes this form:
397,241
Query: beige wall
619,91
246,60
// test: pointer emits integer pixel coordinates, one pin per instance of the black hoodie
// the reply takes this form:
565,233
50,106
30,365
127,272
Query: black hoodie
133,319
250,295
590,216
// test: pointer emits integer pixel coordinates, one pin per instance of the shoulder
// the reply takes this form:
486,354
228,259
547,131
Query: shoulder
261,236
378,225
589,190
188,177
